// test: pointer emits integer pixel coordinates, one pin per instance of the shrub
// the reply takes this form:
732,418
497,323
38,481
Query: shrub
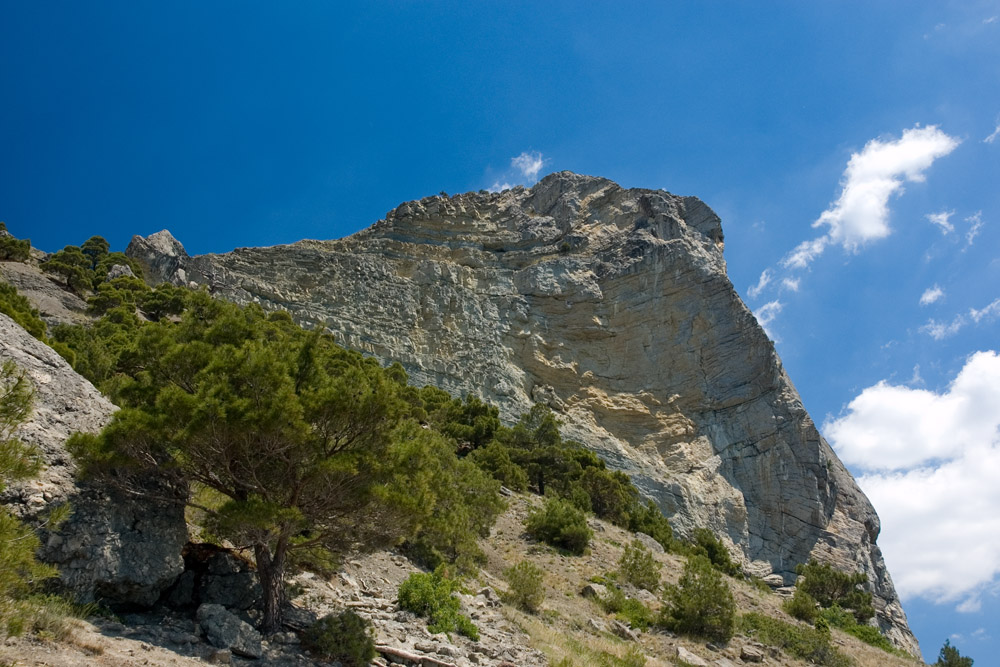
13,249
524,582
707,544
18,308
346,638
701,604
843,619
638,567
830,587
798,641
649,519
430,595
801,606
560,524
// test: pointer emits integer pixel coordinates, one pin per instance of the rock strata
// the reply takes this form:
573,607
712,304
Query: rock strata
613,307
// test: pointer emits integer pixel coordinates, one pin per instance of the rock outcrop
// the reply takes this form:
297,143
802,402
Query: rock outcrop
114,547
613,307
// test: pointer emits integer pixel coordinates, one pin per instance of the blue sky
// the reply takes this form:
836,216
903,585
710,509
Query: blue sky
242,123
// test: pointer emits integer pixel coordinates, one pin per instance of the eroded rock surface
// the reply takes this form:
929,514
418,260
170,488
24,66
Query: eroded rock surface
113,546
613,307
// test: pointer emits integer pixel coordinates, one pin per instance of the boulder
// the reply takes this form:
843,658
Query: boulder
224,630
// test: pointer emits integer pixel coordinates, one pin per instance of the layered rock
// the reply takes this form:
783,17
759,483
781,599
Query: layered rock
613,307
114,547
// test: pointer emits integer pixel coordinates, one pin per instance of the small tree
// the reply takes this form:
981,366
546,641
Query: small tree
950,657
524,582
829,587
560,524
299,436
638,566
701,604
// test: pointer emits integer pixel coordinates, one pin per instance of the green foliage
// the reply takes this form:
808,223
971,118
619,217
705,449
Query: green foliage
495,460
346,638
709,545
949,656
649,519
830,587
86,267
701,604
13,249
20,572
121,292
560,524
840,618
798,641
524,584
430,595
801,606
304,442
638,567
626,609
19,309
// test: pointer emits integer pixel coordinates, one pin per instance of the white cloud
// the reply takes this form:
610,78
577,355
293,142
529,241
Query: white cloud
942,220
766,314
975,226
930,295
931,462
861,213
765,278
993,137
500,187
791,284
529,164
991,19
989,312
941,330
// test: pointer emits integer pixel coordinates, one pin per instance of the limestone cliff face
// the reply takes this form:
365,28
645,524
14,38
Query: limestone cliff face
613,307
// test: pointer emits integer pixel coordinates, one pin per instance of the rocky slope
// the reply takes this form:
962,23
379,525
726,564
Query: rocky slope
113,546
613,307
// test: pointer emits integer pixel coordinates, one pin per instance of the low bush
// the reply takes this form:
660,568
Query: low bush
845,620
709,545
797,641
801,606
431,595
13,249
626,609
560,524
830,587
345,637
524,584
701,604
638,567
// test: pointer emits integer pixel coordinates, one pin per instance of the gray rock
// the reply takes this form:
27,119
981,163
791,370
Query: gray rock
650,543
55,304
594,591
690,658
613,307
224,630
114,546
751,654
119,271
623,631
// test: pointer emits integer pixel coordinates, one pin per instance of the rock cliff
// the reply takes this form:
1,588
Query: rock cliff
114,547
613,307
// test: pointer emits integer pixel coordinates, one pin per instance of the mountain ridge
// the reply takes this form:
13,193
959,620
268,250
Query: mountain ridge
613,307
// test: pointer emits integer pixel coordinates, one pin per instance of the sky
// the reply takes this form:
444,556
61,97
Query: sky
852,150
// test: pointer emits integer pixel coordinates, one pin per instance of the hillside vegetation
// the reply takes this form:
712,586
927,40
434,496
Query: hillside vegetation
302,456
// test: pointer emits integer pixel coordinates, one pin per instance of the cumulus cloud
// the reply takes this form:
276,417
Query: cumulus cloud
765,278
930,463
765,316
942,220
930,295
860,214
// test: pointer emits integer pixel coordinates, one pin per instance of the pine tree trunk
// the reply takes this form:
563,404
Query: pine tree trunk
270,571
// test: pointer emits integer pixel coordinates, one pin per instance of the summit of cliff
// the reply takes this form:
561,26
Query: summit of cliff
613,307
